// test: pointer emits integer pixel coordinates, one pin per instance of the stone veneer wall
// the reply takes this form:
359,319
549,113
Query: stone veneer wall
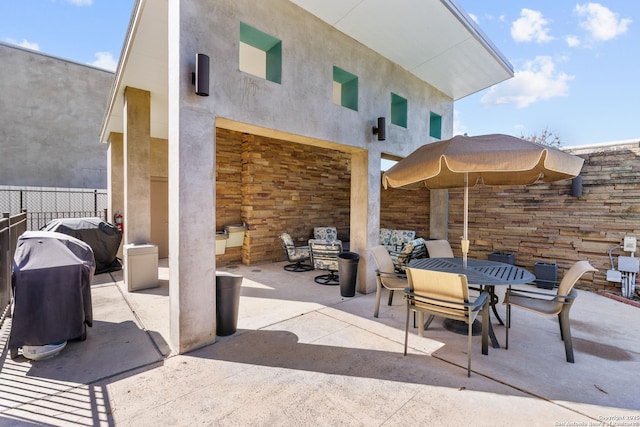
405,210
275,186
545,223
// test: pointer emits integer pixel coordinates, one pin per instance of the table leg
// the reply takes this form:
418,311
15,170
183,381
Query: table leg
493,299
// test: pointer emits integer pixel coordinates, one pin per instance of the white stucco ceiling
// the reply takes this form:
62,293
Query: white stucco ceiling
433,39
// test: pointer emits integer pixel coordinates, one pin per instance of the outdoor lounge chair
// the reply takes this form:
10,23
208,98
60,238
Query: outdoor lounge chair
445,295
386,276
550,304
438,249
296,255
324,256
330,234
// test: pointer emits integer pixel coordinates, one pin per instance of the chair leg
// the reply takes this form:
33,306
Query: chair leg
406,330
429,320
421,324
470,333
390,296
565,333
486,324
298,267
508,325
327,279
378,294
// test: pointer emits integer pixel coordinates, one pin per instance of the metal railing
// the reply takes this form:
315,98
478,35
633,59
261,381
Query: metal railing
45,204
11,227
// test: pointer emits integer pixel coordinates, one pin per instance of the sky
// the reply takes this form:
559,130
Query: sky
576,70
576,63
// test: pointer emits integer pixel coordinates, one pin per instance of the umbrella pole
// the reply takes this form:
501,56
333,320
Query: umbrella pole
465,239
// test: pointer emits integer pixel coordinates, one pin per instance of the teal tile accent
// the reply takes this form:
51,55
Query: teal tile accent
348,87
435,125
268,44
399,106
274,63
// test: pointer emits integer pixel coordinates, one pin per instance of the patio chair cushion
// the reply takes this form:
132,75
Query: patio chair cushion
325,254
298,255
294,253
328,234
385,234
412,250
399,238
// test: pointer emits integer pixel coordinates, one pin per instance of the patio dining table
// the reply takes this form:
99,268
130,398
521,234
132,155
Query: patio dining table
482,273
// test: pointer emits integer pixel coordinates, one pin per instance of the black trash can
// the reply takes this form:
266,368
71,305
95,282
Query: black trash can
347,272
227,302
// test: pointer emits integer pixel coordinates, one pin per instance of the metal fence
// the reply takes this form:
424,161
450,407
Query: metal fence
44,204
11,226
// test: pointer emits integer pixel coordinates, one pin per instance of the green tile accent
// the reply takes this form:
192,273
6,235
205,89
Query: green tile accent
256,38
348,87
274,63
268,44
399,106
435,125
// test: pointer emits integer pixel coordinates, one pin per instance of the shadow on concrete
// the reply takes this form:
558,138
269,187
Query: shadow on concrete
282,349
61,389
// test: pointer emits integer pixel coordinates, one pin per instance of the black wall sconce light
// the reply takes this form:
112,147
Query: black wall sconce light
381,129
200,78
576,186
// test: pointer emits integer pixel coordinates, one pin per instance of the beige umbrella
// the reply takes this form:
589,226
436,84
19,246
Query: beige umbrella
497,159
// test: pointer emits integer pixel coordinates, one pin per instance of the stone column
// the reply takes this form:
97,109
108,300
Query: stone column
192,261
137,184
365,213
115,178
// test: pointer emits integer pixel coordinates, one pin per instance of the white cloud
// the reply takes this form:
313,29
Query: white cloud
24,43
531,26
537,80
572,41
105,60
459,128
81,2
474,17
601,23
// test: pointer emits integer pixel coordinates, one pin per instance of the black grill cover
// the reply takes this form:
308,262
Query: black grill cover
104,239
52,274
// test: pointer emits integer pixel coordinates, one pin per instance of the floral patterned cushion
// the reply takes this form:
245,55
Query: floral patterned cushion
329,234
385,233
401,237
286,239
412,250
324,255
301,252
293,253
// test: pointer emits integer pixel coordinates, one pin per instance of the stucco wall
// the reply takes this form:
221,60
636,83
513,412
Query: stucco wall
302,104
50,115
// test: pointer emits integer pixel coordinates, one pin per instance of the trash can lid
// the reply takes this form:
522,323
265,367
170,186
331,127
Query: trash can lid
348,255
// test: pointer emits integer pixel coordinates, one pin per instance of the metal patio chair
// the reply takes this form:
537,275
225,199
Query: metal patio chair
550,304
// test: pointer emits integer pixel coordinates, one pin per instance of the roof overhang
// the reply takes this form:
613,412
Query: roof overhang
433,39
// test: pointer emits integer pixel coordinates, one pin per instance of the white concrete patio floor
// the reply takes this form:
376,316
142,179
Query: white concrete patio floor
304,355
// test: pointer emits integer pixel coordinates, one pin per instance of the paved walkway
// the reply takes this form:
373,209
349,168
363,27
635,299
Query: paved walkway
303,355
